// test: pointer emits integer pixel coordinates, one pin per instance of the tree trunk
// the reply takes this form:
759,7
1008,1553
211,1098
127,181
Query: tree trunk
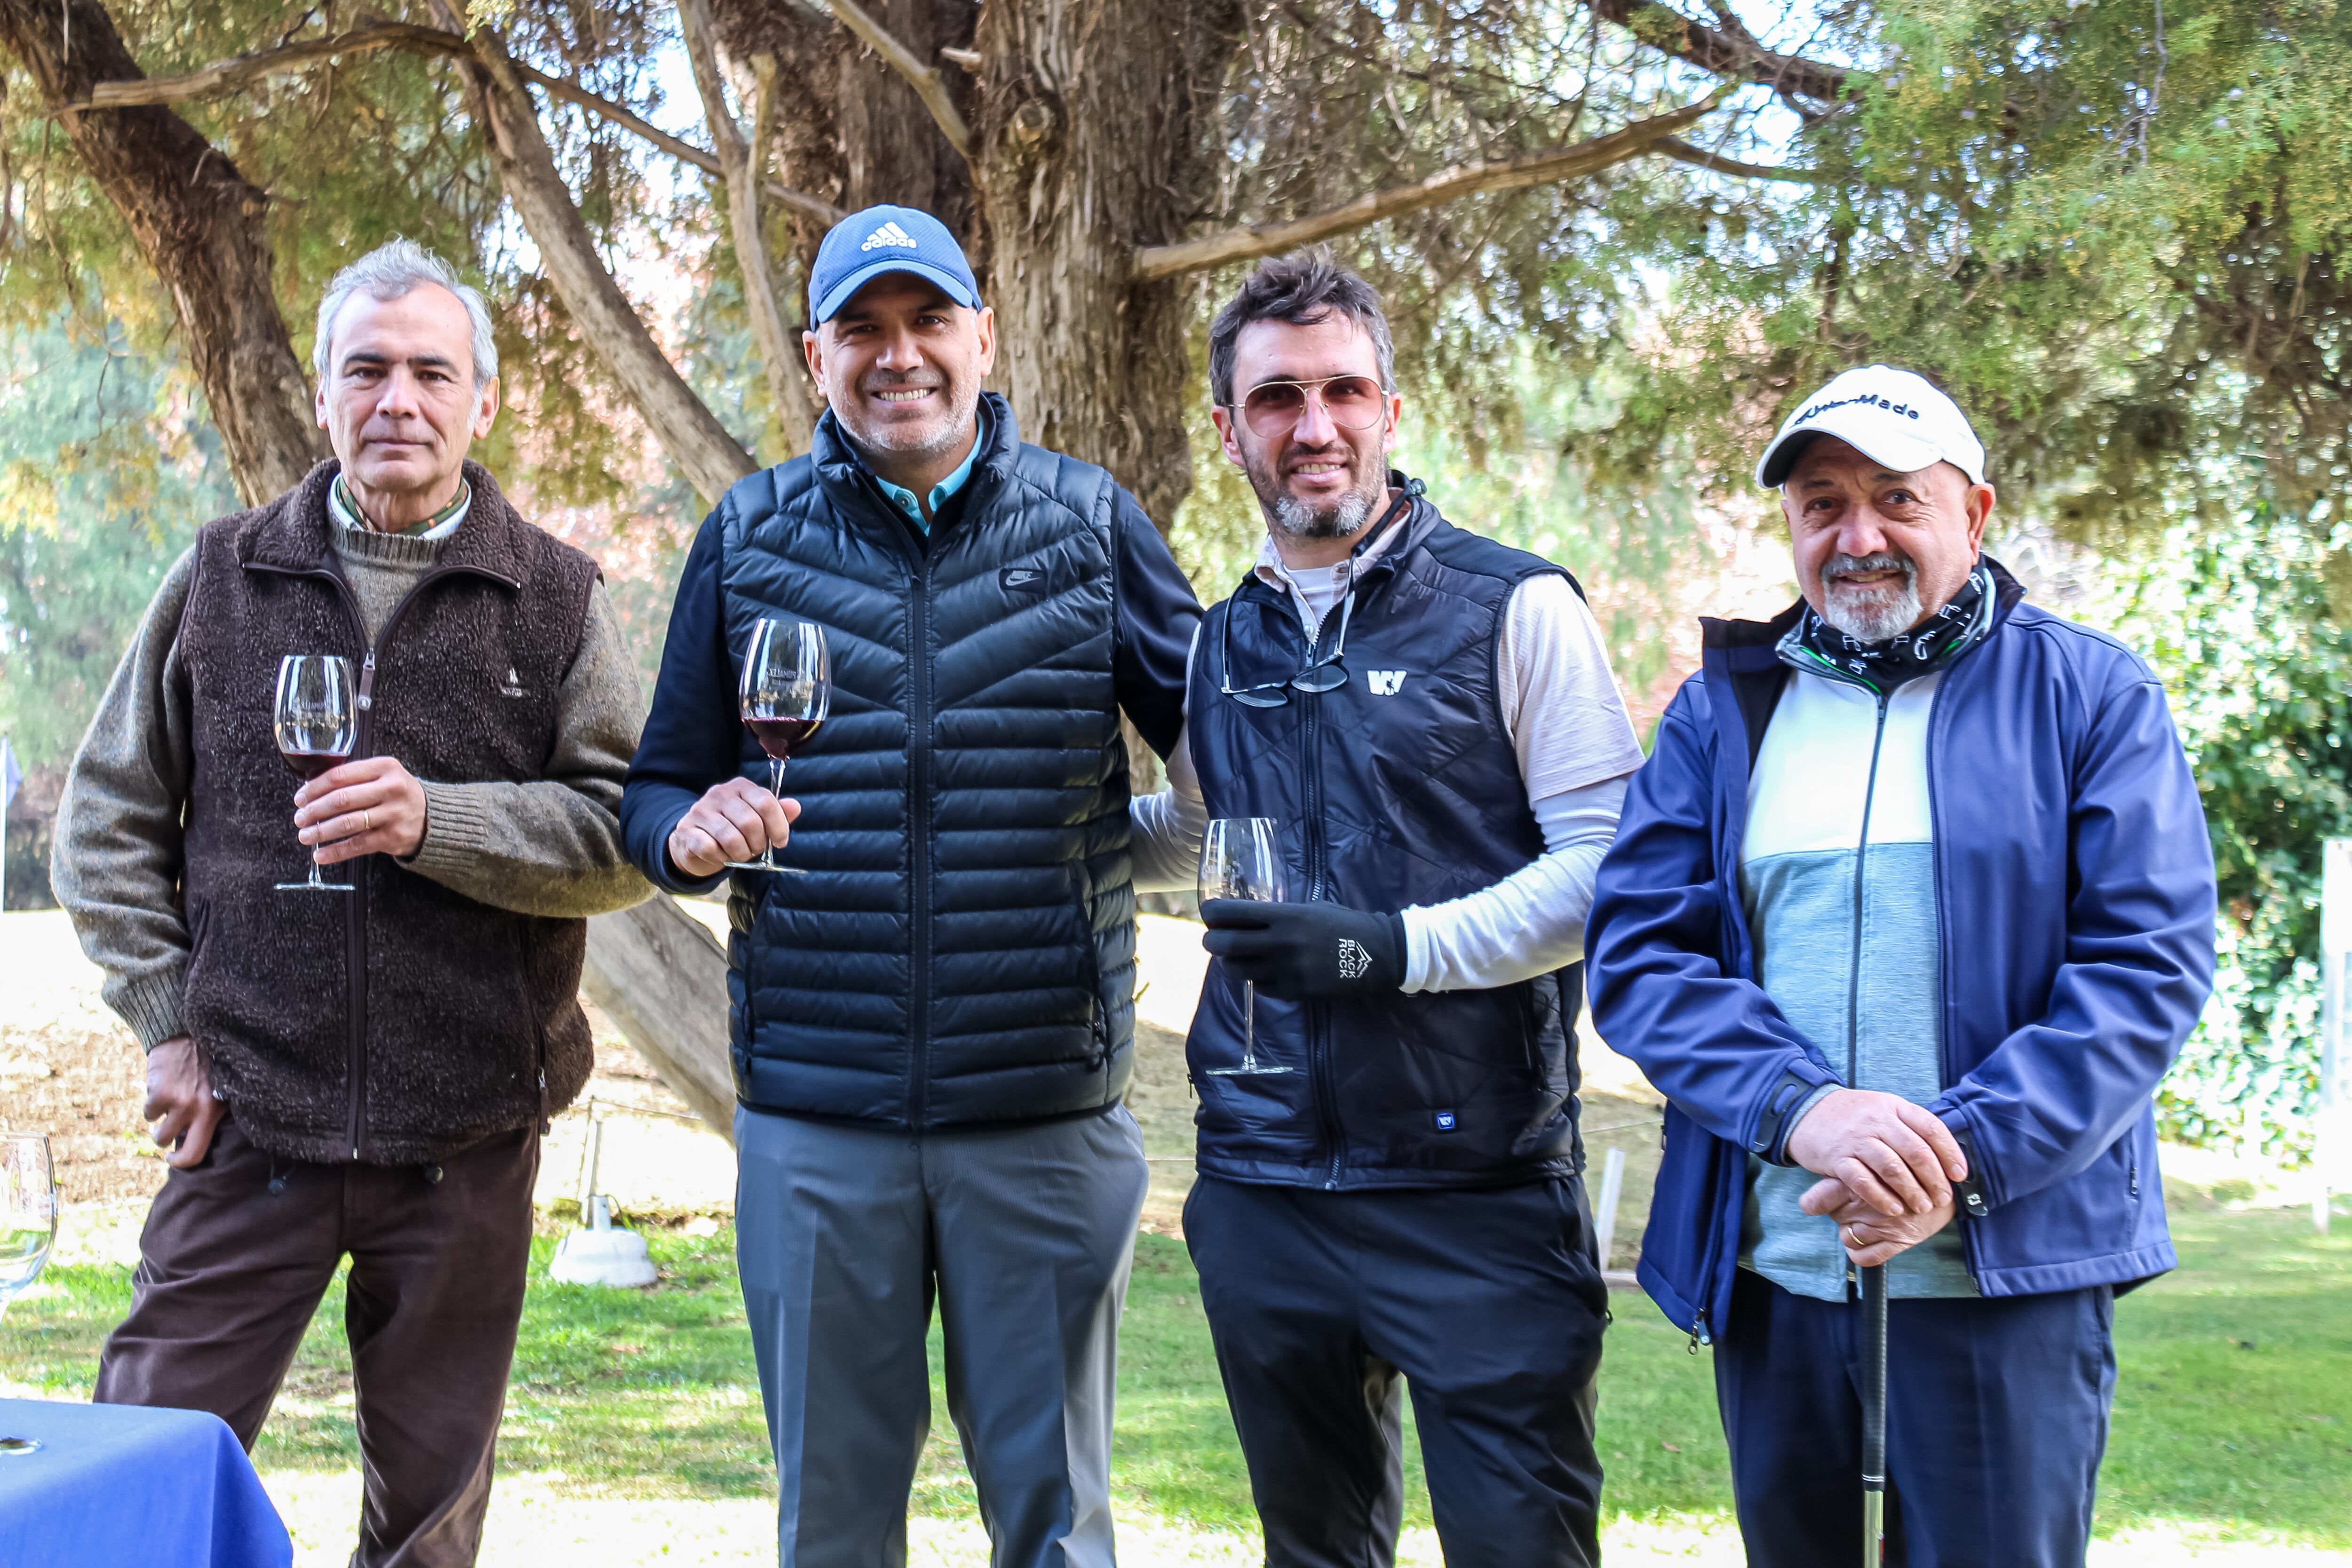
661,977
1086,147
1086,144
202,226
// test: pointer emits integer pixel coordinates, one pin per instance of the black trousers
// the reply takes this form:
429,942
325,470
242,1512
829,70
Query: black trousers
1490,1306
238,1250
1996,1418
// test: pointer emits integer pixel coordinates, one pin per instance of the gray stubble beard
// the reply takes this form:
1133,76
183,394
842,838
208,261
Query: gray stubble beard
958,426
1300,520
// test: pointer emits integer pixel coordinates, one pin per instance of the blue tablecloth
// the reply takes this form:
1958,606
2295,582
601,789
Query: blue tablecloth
118,1484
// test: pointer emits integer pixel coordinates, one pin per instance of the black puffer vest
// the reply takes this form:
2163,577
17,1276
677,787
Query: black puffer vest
961,950
398,1023
1398,788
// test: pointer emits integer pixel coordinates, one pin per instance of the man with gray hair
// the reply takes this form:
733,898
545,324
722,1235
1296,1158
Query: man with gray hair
1907,913
360,1069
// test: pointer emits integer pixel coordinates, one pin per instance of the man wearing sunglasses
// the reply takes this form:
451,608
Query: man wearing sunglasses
1390,1186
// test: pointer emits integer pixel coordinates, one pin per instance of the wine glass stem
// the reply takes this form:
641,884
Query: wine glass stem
1249,1026
776,788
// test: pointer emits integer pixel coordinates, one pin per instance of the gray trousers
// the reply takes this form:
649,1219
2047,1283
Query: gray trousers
843,1236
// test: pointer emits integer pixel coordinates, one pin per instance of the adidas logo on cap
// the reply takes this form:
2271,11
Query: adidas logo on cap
888,234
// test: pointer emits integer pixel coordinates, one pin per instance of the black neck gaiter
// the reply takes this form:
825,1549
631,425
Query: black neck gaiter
1813,644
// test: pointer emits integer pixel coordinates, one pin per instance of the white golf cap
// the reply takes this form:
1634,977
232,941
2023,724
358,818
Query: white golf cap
1889,416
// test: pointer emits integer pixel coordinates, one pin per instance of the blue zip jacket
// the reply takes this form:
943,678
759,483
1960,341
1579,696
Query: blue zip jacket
2074,901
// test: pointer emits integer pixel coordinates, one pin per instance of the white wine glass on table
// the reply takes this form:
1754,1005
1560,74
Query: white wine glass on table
29,1228
786,692
317,720
1240,858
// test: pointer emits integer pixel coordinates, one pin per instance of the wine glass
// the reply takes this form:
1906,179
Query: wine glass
1241,860
786,692
29,1228
318,722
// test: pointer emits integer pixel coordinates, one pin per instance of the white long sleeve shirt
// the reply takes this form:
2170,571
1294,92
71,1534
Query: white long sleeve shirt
1576,748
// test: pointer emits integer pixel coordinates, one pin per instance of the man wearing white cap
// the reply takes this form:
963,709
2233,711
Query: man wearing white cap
1907,913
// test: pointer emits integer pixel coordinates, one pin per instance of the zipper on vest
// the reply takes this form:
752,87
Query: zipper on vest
1319,1013
363,744
918,845
354,905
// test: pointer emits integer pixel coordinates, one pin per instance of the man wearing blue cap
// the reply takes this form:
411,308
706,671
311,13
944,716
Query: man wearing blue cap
932,1010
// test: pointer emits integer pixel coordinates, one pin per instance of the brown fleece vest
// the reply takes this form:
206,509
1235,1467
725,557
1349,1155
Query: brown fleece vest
401,1022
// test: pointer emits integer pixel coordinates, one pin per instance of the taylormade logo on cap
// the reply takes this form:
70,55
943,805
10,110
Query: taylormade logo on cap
888,234
1893,416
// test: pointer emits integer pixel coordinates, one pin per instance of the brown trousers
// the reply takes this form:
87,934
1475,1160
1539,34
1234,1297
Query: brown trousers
235,1258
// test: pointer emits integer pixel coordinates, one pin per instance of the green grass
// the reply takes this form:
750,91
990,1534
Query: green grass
2234,1409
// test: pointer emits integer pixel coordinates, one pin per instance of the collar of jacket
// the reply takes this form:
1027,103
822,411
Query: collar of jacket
849,483
293,532
1743,659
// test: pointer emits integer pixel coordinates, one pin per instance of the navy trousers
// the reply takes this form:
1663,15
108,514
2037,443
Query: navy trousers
1489,1304
1996,1418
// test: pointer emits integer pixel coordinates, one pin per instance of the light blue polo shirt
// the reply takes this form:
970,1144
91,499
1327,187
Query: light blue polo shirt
942,492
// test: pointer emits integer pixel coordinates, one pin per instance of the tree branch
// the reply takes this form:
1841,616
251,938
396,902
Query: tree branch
696,442
1727,52
1447,184
926,81
202,227
1682,152
242,70
779,345
230,74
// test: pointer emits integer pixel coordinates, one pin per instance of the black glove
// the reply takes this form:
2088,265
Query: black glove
1307,951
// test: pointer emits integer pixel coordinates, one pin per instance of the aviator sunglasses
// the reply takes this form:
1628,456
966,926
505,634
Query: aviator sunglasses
1324,672
1273,408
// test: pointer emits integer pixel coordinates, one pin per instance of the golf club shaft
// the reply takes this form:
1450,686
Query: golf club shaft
1874,1417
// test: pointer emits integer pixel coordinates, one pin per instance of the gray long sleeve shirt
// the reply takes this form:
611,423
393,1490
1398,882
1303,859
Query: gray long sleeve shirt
548,848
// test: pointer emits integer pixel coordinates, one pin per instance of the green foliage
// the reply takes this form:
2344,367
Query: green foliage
106,469
2112,231
2256,651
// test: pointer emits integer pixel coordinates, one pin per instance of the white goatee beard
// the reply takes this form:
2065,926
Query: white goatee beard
1871,616
1300,520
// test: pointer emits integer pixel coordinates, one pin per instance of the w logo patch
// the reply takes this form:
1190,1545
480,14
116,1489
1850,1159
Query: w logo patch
1384,682
888,234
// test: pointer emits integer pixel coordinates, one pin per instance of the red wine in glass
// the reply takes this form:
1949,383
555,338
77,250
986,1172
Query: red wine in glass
308,765
316,721
786,690
782,737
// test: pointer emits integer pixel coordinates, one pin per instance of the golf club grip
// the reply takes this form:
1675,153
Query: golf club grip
1874,1380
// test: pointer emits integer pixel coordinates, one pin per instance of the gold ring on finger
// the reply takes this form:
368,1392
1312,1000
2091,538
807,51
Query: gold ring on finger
367,823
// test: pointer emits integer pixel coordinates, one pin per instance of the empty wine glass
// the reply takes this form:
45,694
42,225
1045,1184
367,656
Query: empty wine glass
786,692
1239,859
29,1228
318,723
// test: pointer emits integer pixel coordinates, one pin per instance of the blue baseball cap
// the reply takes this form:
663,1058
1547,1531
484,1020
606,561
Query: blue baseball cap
863,245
